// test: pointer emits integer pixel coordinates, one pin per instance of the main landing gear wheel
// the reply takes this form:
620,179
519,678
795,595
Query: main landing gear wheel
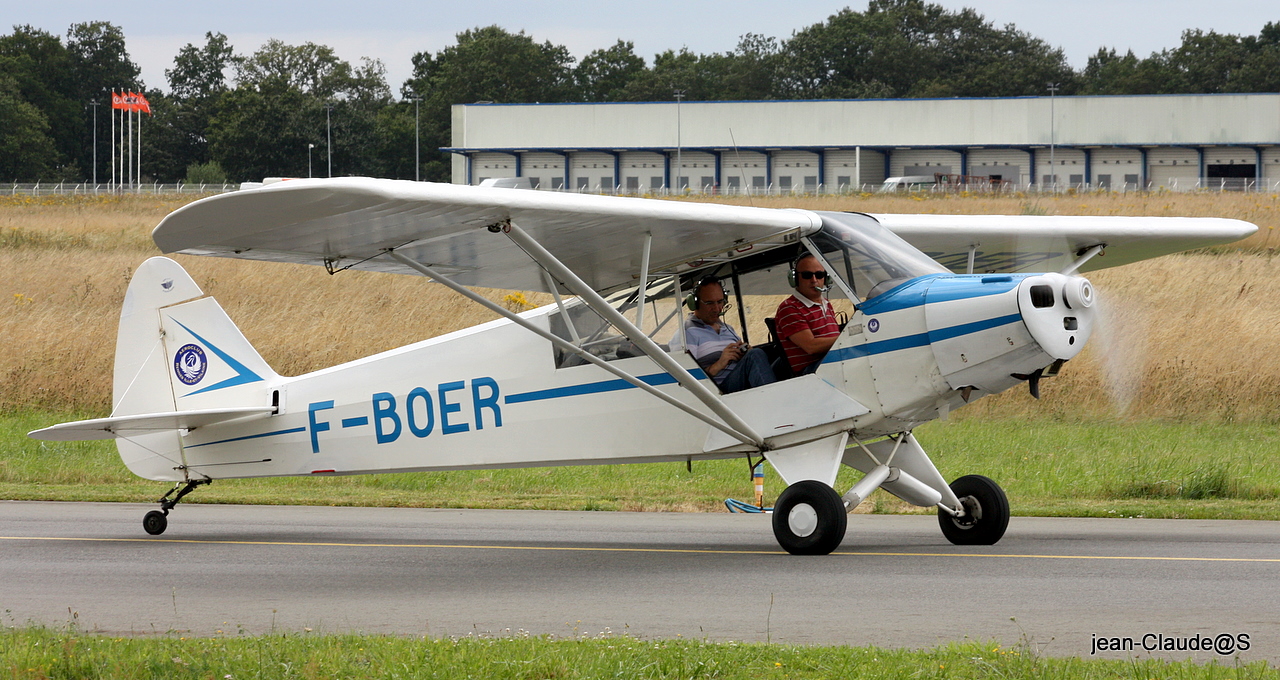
809,518
986,512
155,522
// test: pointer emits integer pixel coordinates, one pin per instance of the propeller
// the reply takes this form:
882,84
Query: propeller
1120,344
1033,380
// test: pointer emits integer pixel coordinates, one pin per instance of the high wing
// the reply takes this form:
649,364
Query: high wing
350,222
1014,243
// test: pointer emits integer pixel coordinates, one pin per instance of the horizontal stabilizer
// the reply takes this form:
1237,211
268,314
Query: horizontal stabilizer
144,423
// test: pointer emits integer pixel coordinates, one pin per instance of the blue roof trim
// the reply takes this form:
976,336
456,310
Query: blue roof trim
654,379
885,99
1136,146
252,436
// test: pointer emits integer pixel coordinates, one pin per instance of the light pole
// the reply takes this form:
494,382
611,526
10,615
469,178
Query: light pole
679,162
417,163
309,148
94,104
1053,172
328,134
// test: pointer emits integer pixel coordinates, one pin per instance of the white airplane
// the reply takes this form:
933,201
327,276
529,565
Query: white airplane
593,378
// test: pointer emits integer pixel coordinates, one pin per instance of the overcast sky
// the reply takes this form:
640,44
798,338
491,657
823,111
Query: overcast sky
394,30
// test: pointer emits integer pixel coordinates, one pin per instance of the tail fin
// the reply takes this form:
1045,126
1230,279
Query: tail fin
178,351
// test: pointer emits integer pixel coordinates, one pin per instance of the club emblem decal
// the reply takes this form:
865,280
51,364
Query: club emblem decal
189,364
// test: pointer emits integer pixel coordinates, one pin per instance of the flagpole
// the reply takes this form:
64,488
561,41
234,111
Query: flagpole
129,148
113,139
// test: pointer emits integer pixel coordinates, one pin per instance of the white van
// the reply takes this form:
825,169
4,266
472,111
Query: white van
908,183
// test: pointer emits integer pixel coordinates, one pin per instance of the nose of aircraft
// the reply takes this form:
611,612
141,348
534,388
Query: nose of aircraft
1059,312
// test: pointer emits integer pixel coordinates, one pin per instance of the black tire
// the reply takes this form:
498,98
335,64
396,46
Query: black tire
155,522
825,513
986,512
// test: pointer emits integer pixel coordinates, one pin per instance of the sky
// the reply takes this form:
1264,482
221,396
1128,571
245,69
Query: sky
394,31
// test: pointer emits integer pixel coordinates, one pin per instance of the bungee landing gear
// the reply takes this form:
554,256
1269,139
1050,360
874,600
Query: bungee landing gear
156,521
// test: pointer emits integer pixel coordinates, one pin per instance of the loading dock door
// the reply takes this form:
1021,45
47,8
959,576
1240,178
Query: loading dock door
1234,177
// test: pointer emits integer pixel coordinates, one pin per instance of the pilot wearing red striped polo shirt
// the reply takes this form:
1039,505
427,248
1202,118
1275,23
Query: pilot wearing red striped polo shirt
805,321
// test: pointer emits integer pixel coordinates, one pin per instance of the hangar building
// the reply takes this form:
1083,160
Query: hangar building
1177,142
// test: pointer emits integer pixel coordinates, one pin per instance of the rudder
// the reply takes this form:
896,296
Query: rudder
177,350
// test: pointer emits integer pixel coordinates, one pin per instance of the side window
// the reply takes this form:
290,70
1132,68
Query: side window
580,325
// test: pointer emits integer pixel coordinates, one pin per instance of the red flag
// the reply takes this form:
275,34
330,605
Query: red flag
141,103
117,100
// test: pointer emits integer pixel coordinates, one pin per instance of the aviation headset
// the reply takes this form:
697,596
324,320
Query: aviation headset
793,278
691,300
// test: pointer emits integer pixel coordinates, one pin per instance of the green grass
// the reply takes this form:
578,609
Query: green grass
1047,467
44,653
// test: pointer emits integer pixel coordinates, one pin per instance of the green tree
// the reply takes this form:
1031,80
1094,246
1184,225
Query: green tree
200,73
603,75
40,69
99,62
179,126
1203,63
752,71
206,173
314,70
394,132
283,92
910,48
691,73
265,132
486,64
26,149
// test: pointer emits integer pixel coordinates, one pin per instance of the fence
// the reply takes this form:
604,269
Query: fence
1212,184
90,189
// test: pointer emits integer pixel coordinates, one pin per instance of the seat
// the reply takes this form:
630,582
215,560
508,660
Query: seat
777,356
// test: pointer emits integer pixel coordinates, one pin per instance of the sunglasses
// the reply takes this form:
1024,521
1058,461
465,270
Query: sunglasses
813,275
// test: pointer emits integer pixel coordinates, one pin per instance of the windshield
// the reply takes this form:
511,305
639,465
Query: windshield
869,257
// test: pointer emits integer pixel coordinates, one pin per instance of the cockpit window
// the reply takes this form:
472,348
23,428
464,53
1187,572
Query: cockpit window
869,257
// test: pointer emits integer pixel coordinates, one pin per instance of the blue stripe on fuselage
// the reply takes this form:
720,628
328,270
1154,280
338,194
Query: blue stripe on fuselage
917,340
252,436
654,379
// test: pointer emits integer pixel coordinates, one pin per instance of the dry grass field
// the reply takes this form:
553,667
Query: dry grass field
1187,337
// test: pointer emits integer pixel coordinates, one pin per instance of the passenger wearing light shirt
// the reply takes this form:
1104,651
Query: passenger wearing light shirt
716,346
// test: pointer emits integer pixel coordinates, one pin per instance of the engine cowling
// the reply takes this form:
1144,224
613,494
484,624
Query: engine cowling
984,330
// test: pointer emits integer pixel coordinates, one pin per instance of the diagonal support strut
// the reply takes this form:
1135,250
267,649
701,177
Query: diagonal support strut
564,344
598,304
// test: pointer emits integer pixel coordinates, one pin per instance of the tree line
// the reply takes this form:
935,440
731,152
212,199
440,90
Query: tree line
234,116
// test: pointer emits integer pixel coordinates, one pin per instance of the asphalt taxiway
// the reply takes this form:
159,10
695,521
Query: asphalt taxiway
1055,583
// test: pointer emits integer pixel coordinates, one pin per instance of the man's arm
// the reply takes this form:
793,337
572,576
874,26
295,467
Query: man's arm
731,353
804,340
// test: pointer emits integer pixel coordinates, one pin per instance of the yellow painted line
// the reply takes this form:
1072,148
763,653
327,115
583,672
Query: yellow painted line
694,551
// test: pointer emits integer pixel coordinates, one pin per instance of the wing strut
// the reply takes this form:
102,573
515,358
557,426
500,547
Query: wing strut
1084,255
568,346
542,256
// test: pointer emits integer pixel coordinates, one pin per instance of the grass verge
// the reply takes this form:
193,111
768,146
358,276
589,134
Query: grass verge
1047,467
45,653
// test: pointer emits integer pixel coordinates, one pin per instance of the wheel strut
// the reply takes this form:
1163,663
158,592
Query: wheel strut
156,521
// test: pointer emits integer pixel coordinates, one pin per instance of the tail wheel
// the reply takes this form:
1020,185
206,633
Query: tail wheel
986,512
155,522
809,519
